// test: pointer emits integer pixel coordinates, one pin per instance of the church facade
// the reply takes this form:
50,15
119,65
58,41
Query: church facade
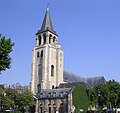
47,72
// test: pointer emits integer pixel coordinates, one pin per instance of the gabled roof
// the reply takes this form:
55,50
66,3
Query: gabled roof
47,24
54,93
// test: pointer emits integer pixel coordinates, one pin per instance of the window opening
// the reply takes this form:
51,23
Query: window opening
44,39
39,87
39,40
52,70
38,54
49,109
53,87
41,54
53,39
50,38
40,109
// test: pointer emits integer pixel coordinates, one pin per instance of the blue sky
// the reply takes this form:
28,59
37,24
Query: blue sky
89,31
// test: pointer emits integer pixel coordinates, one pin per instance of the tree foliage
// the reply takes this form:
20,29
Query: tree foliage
80,98
105,95
25,100
5,50
12,98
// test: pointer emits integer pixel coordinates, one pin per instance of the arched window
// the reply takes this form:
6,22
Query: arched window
38,54
44,38
41,53
52,70
39,40
54,39
49,39
53,87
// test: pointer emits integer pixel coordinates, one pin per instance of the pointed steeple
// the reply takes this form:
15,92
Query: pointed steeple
47,24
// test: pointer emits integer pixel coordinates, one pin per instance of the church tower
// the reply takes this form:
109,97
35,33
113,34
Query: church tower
47,58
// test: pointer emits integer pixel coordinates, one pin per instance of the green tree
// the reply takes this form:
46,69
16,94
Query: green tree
13,98
105,95
12,95
8,97
113,95
25,100
5,50
80,98
1,91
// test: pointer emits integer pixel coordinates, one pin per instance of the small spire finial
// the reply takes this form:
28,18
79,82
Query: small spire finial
47,6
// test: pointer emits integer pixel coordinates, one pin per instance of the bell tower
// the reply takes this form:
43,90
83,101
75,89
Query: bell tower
47,58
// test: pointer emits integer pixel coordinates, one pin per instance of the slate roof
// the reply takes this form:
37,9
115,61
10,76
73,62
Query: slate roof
54,93
68,85
47,24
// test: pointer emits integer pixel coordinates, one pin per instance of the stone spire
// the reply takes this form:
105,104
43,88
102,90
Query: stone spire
47,24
